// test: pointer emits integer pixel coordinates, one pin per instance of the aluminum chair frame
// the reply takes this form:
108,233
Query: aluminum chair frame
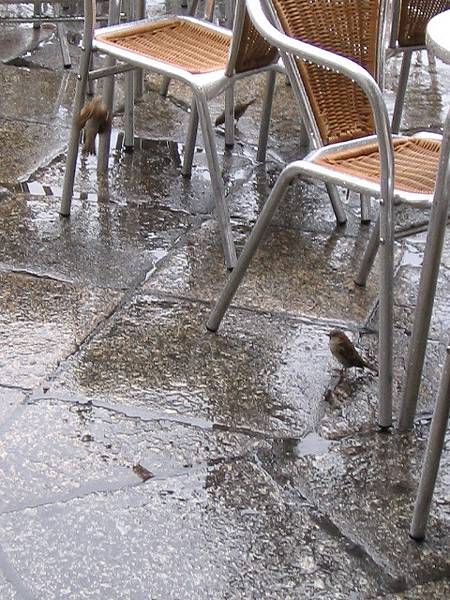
394,48
204,87
384,191
433,455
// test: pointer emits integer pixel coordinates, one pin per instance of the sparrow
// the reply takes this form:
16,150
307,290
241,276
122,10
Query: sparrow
239,110
94,118
345,352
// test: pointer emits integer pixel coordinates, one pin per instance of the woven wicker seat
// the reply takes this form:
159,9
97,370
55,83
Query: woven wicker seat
183,44
207,58
416,163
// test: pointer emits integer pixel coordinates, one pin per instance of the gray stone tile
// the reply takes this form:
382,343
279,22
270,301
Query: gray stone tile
58,449
20,39
37,95
104,244
367,485
42,322
9,401
7,591
27,146
433,591
223,532
149,175
307,274
260,372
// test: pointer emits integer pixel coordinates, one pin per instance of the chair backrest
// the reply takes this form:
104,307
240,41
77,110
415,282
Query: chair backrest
249,50
410,19
350,28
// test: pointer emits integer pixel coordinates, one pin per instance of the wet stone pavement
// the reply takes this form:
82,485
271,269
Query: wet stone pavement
142,457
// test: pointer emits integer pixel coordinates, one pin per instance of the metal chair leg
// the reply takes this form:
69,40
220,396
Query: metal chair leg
401,91
369,255
427,286
433,455
222,214
229,116
108,97
386,316
191,138
129,111
67,61
336,203
253,241
74,140
364,201
265,117
139,13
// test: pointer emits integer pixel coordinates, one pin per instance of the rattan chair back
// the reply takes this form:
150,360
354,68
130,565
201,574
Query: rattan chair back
254,52
413,19
346,27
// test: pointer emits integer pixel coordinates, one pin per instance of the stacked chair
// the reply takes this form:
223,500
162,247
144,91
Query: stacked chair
409,22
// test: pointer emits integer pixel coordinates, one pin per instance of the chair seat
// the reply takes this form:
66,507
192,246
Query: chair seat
416,163
183,44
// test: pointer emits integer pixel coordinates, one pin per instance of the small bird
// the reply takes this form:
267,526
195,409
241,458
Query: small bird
345,352
94,118
239,110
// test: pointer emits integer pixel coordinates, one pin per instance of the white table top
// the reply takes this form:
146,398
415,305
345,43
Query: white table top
438,36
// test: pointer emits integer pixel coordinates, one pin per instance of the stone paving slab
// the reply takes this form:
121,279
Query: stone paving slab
149,175
219,532
104,448
20,39
26,146
9,401
37,95
104,244
42,321
261,372
367,485
308,274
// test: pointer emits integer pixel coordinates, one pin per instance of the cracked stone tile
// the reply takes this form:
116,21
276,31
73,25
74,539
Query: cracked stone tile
224,532
367,485
18,39
260,372
7,591
57,449
308,274
39,95
9,400
104,244
41,322
432,590
27,146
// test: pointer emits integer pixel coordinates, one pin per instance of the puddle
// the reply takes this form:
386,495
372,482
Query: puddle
312,444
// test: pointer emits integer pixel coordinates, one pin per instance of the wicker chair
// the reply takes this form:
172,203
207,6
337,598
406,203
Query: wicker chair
331,50
409,21
206,57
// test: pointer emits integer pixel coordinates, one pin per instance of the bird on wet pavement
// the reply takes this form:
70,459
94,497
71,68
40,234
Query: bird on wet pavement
239,110
94,118
345,352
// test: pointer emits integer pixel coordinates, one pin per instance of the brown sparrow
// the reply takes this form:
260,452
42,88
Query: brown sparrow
94,118
345,352
239,110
